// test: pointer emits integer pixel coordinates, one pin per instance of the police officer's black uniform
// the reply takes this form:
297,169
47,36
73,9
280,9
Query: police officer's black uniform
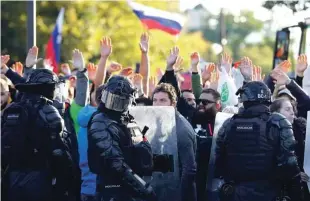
110,147
32,150
255,151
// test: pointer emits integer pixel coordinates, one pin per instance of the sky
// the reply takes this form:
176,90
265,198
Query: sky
260,13
281,17
233,6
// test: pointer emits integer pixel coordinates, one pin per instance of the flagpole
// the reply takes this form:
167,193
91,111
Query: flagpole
31,24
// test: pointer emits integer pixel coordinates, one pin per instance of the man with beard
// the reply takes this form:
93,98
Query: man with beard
203,123
189,97
165,95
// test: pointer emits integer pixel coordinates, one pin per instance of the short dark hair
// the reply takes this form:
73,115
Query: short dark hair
166,88
216,95
144,100
186,90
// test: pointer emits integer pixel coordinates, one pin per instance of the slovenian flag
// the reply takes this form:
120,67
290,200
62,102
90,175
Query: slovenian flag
53,46
152,18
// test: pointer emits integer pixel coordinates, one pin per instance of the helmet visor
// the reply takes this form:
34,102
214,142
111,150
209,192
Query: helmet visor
116,102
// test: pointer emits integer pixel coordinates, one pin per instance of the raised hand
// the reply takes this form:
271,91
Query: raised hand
285,66
32,56
177,66
4,61
18,68
246,68
257,73
226,62
137,80
301,65
207,72
195,58
280,77
174,53
92,70
127,72
65,68
78,60
215,76
114,67
144,43
105,47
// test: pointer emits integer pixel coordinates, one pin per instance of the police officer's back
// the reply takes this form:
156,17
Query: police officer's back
110,147
32,151
254,151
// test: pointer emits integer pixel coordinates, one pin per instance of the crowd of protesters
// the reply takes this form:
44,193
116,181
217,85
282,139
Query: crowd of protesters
79,90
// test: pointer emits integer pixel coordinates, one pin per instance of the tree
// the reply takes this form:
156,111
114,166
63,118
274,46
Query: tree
237,27
290,4
260,54
85,23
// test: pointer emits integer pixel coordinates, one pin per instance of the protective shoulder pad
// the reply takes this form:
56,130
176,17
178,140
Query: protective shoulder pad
99,119
50,115
279,120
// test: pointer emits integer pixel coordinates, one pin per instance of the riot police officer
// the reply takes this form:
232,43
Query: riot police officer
110,146
254,151
32,150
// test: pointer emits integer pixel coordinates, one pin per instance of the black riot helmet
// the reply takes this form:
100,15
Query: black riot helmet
254,91
40,81
118,94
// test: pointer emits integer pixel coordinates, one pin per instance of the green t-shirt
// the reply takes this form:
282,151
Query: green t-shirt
74,111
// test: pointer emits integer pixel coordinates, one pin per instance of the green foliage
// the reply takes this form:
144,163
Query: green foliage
86,22
237,29
290,4
261,55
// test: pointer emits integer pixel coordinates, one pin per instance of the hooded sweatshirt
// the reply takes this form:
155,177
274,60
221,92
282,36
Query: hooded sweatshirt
88,179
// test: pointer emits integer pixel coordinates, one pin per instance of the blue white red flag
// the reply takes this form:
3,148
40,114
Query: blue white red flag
52,54
153,18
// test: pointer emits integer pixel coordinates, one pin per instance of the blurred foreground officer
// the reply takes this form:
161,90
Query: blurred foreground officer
32,150
255,151
111,153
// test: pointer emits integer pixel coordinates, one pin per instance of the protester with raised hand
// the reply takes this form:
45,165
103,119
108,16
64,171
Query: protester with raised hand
226,85
301,66
197,83
303,73
97,75
303,100
170,77
246,69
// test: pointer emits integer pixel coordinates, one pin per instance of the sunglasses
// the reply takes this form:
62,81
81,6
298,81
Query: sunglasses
205,101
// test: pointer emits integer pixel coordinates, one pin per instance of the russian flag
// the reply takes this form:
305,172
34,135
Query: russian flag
152,18
52,54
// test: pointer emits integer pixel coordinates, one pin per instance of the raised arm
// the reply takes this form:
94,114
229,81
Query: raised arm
105,52
145,63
